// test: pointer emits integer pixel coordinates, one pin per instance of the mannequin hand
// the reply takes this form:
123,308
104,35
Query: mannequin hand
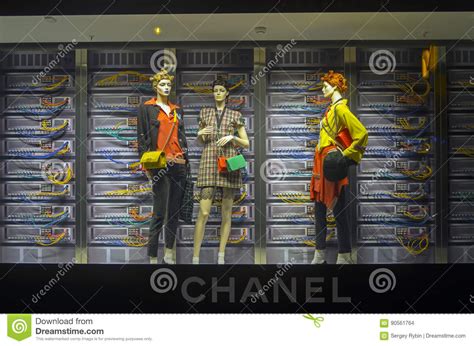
205,131
224,140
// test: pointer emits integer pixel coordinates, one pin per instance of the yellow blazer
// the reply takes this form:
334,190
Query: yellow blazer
339,117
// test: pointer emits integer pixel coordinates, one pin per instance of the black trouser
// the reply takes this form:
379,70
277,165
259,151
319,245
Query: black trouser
340,213
168,190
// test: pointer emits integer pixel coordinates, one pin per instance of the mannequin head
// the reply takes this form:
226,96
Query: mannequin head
220,89
333,82
162,83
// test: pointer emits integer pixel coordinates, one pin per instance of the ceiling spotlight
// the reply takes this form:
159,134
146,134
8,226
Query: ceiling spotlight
157,30
260,30
50,19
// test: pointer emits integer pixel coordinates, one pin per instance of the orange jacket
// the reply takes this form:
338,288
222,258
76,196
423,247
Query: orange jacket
321,189
168,123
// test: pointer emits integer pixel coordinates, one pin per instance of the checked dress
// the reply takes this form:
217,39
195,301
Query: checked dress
223,125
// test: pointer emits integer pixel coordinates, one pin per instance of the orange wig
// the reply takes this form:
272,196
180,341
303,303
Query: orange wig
335,79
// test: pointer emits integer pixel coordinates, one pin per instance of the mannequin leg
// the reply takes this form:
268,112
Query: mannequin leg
205,205
177,182
321,230
226,209
343,232
160,197
342,222
321,226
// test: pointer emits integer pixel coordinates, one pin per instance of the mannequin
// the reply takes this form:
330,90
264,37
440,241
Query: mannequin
217,129
332,194
160,126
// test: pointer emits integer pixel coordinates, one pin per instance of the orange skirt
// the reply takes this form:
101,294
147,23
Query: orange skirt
321,189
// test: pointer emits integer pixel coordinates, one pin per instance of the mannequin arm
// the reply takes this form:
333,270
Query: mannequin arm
242,140
204,131
203,138
357,131
142,131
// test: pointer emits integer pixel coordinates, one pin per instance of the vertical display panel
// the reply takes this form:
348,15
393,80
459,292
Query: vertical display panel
37,148
119,199
294,107
395,185
460,109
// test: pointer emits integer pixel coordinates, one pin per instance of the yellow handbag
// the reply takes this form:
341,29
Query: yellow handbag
153,159
156,159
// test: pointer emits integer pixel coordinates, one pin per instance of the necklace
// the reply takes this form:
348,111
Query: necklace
219,116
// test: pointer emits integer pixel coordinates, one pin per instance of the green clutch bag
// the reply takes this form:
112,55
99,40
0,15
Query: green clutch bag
236,162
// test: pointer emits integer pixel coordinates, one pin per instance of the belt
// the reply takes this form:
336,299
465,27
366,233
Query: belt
177,160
